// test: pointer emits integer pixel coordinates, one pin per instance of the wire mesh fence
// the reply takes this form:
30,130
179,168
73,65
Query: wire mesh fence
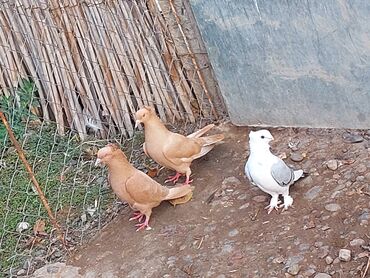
72,74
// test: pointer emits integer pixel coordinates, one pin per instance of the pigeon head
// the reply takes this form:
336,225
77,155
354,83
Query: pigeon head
260,136
108,153
144,114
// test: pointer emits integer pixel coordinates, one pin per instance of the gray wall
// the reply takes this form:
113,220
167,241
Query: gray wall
290,62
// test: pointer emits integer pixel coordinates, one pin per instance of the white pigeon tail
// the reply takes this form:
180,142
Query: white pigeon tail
268,171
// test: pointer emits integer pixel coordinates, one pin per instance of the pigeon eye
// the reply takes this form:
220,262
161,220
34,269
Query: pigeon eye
262,137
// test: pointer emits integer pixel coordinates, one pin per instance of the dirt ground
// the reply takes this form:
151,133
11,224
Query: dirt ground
224,230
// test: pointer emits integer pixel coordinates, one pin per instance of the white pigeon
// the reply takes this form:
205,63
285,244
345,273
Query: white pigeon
268,171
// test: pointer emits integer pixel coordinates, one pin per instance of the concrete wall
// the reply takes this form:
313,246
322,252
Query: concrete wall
290,62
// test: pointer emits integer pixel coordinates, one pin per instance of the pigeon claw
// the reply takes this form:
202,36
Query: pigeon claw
174,178
187,182
142,226
288,202
271,207
137,216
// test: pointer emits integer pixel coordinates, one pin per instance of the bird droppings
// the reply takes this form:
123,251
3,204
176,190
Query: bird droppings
305,236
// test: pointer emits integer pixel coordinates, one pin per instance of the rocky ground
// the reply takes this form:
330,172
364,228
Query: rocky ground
224,230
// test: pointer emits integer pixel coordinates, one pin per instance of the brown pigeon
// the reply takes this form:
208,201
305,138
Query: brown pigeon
173,150
136,188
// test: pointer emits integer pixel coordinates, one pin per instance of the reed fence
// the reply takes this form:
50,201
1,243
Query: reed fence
72,75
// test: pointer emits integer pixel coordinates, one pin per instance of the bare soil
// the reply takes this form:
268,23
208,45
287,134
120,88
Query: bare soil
224,231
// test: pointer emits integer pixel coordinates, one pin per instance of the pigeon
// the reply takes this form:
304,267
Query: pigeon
173,150
268,171
140,191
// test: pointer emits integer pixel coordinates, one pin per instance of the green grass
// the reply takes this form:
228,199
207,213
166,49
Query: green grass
66,176
64,168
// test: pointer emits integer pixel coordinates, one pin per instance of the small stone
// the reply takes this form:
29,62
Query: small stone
260,198
336,176
242,197
233,232
312,193
365,215
325,228
361,168
323,252
244,206
352,138
294,269
311,224
345,255
296,157
230,181
357,242
227,248
329,260
363,255
322,275
332,164
304,247
278,260
293,260
318,244
21,272
309,272
332,207
83,218
100,180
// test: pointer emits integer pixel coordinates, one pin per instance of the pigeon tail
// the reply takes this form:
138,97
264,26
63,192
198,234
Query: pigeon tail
200,132
211,140
178,192
298,174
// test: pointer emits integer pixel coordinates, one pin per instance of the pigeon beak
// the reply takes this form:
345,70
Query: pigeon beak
272,137
97,162
137,123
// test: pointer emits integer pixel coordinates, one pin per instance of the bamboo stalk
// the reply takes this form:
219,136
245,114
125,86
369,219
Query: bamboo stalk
195,63
155,56
143,59
124,93
94,70
109,77
65,87
28,63
126,47
176,73
78,74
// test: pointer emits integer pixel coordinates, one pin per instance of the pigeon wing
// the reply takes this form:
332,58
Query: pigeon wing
282,174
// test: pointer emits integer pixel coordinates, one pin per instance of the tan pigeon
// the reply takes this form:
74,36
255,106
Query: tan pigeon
136,188
173,150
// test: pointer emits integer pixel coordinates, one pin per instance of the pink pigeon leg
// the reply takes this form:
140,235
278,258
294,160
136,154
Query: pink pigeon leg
188,181
174,178
143,225
137,215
